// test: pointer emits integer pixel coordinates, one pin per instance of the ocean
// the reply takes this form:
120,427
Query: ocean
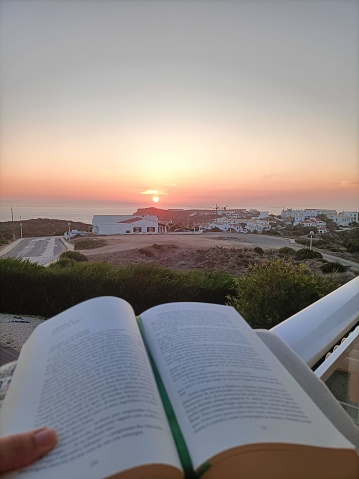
84,211
63,211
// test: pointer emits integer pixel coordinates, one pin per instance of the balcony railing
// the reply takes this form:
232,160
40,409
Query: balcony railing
312,332
326,336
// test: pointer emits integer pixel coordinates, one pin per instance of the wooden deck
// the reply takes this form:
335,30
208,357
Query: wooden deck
7,354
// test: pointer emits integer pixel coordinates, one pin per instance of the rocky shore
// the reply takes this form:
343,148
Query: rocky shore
16,329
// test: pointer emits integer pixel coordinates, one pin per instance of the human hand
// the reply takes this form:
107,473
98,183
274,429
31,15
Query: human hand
21,450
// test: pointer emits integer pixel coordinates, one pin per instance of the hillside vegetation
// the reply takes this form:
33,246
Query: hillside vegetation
38,227
265,295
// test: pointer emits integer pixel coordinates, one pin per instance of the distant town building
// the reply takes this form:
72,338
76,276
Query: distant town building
126,224
341,219
353,215
257,225
313,213
225,227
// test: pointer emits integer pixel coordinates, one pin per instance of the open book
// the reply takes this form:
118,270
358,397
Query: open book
186,390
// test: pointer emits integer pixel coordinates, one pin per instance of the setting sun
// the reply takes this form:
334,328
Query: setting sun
156,199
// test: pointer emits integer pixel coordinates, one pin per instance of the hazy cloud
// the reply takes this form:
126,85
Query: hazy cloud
348,183
153,192
268,176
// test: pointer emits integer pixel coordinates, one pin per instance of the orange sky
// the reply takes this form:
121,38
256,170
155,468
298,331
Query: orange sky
257,104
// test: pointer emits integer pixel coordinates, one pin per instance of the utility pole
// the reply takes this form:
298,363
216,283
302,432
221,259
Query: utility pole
12,215
217,208
311,239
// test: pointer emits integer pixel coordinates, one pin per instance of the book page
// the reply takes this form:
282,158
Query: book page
86,374
226,388
6,374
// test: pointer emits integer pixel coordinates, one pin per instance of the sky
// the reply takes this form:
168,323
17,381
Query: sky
183,103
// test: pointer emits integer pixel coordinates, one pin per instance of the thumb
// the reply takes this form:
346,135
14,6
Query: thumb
21,450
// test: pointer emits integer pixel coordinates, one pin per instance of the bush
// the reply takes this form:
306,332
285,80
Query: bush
303,241
353,246
320,244
28,288
258,250
146,252
334,268
271,233
286,251
74,255
63,263
272,292
306,253
158,247
90,243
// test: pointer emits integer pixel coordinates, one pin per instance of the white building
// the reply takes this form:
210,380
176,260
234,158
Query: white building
313,213
258,225
225,227
290,213
353,214
298,219
306,213
126,224
315,223
341,219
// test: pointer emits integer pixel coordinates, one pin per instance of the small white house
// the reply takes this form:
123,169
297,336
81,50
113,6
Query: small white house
341,219
257,225
226,227
353,215
126,224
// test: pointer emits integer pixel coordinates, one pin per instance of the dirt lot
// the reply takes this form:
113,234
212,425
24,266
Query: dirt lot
194,241
176,251
212,252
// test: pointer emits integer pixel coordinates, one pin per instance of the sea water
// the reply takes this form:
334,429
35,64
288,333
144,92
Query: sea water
84,211
63,211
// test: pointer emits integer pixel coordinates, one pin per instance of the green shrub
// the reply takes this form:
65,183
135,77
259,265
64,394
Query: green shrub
320,244
146,252
90,243
158,247
334,268
353,246
74,255
286,251
63,263
7,235
258,250
272,292
271,233
27,288
306,253
303,241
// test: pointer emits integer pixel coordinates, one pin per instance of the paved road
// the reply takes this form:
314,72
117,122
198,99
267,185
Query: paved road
37,250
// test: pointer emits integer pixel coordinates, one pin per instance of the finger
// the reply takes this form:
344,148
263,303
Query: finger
21,450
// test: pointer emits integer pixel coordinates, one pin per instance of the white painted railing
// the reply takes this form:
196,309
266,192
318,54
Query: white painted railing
345,355
312,332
